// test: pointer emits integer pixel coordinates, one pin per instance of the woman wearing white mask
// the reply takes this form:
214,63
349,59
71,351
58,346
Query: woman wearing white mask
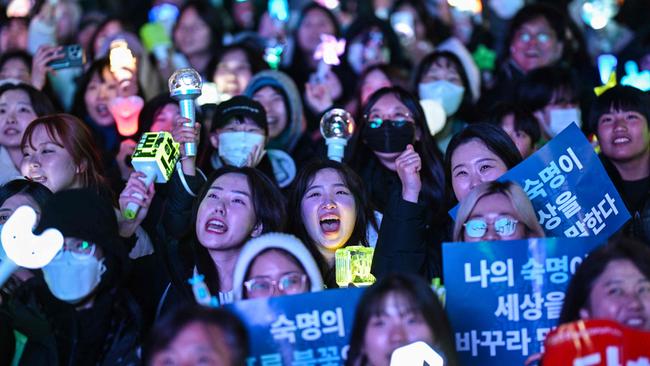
88,317
441,80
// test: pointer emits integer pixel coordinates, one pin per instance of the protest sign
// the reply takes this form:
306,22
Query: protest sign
570,191
299,330
597,343
504,297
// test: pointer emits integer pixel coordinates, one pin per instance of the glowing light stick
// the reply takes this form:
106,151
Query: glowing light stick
328,52
121,59
472,6
353,266
606,66
125,111
598,13
201,292
330,4
157,41
185,87
19,8
634,78
165,14
23,248
279,10
336,126
418,353
155,156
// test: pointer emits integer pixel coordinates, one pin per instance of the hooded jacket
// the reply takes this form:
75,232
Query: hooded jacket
288,139
282,241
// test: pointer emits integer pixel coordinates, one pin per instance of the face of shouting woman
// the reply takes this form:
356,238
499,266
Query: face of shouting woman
328,210
226,216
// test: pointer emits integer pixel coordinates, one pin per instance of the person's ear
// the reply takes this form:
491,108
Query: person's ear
81,167
257,230
214,140
584,314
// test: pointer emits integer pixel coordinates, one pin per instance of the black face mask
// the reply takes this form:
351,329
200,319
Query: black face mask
388,137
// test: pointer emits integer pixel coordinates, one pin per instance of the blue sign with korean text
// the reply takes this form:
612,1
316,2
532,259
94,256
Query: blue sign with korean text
569,188
504,297
299,330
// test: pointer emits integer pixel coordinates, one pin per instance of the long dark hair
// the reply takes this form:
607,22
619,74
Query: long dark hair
165,331
40,102
423,300
433,175
364,210
209,15
493,137
269,206
579,290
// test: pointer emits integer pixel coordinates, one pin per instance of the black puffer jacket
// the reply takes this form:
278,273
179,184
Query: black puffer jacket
108,333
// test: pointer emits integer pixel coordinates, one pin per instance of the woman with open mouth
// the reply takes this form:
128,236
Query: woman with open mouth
235,205
332,211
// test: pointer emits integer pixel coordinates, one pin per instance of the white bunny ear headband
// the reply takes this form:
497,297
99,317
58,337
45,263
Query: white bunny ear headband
22,247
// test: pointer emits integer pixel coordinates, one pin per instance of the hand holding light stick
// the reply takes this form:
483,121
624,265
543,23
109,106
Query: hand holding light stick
155,156
185,86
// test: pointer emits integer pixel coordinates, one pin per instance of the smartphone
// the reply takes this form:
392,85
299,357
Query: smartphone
73,57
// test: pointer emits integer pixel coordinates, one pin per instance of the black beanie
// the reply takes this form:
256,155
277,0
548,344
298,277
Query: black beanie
83,214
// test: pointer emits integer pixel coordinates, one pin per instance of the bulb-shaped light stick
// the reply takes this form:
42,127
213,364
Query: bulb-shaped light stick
336,126
185,87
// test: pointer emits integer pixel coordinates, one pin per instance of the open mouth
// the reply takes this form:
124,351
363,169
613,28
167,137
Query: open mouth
216,226
102,110
330,223
38,178
621,140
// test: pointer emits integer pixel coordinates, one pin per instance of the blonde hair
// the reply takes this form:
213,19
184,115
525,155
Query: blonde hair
518,199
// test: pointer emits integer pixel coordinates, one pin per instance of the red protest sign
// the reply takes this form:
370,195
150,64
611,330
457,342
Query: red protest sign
597,343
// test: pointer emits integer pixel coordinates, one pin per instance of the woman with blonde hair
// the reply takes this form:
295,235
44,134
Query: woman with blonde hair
496,211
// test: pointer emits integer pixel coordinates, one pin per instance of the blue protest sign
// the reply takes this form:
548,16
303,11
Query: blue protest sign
306,329
504,297
569,188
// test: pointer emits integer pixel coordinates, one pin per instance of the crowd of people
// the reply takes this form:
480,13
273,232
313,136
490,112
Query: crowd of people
446,99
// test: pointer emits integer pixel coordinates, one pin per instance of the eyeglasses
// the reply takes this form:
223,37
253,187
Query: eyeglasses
503,226
290,283
80,249
376,120
541,37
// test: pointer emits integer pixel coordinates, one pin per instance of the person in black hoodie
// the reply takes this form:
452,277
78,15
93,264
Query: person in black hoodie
78,313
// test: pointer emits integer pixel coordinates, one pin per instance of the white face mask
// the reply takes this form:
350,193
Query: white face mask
447,93
561,118
506,9
71,279
236,147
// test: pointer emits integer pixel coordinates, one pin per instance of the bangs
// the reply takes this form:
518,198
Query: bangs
620,98
377,308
